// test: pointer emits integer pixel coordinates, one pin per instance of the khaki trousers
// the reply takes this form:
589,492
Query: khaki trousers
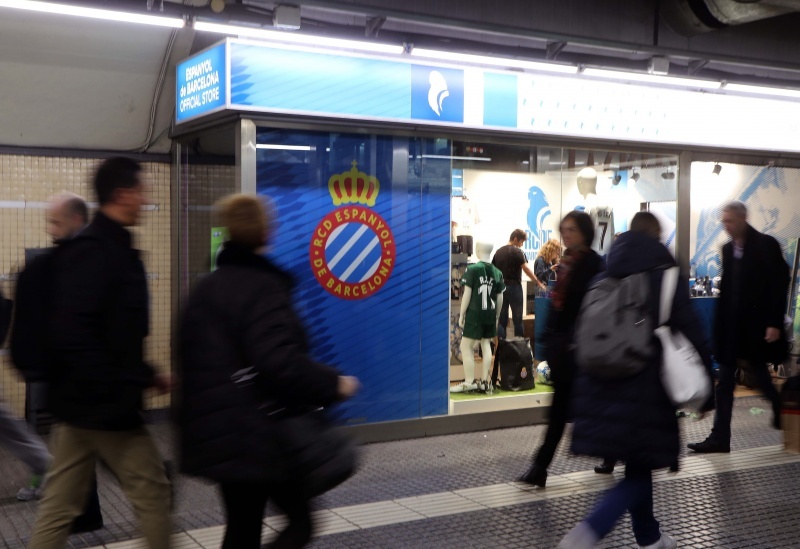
132,457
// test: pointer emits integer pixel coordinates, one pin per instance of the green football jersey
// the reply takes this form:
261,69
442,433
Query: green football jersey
486,282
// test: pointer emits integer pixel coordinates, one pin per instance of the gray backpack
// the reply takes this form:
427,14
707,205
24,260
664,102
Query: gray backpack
614,331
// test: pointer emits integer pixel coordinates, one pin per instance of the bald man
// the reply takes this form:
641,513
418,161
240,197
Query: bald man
67,215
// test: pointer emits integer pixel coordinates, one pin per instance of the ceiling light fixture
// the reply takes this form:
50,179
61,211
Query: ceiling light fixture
653,78
273,147
717,169
94,13
635,176
763,90
492,61
668,175
301,39
616,179
448,157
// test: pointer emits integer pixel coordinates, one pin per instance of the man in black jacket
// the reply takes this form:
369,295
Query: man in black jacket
749,318
67,216
100,319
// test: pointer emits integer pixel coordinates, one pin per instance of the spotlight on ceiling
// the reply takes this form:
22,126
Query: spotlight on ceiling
717,169
668,175
616,179
635,176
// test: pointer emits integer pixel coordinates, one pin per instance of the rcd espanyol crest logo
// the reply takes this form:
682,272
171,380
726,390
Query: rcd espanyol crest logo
352,249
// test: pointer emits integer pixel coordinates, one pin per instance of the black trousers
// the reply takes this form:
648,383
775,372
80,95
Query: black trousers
563,371
724,396
92,518
245,505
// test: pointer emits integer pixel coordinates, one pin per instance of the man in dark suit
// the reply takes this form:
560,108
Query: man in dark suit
749,330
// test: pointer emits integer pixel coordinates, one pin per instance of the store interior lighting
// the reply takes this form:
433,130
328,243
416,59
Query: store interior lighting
300,39
668,175
635,176
492,61
616,179
273,147
94,13
653,78
717,169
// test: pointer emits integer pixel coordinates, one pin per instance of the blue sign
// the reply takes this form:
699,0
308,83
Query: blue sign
437,94
370,249
201,84
285,80
500,100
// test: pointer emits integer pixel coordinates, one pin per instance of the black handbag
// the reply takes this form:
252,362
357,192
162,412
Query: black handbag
320,456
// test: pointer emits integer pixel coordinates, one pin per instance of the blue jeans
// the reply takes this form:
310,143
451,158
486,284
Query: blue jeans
512,297
634,493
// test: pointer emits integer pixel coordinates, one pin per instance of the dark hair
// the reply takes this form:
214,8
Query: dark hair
647,223
115,173
584,223
518,234
77,206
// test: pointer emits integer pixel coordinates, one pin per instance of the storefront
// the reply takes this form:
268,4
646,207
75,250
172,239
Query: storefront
385,172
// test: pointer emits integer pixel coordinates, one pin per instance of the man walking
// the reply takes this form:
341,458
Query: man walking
98,373
511,262
67,215
749,319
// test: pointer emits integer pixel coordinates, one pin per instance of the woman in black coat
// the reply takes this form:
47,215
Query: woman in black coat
243,357
632,418
579,265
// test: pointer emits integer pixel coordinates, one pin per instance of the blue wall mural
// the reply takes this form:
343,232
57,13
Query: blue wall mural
364,224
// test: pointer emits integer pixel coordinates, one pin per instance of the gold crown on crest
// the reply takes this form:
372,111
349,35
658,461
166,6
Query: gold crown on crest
353,187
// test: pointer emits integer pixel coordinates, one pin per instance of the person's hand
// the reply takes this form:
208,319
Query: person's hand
348,387
163,383
554,266
461,321
773,335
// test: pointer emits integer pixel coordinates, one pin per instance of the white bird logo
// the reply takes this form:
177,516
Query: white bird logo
438,92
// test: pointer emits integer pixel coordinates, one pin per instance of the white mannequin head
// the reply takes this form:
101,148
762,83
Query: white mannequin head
483,250
587,181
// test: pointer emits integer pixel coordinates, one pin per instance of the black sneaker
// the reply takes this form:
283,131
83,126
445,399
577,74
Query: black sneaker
710,446
605,468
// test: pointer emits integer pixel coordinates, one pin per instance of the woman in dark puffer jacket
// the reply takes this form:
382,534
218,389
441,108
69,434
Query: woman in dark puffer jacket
632,418
243,354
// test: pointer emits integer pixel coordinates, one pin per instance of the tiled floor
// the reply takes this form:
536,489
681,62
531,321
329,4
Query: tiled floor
458,491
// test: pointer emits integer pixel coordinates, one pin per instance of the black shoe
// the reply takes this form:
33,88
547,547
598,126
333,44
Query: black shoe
674,468
605,468
535,476
84,524
710,446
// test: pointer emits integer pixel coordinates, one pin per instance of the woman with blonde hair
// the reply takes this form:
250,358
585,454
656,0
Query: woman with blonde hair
546,263
245,366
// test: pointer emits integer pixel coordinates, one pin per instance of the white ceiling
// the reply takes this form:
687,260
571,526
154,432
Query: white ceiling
70,82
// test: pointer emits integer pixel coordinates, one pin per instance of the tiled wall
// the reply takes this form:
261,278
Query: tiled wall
202,185
26,182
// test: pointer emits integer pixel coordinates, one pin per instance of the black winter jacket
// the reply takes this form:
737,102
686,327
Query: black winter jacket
763,292
632,419
98,323
243,354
